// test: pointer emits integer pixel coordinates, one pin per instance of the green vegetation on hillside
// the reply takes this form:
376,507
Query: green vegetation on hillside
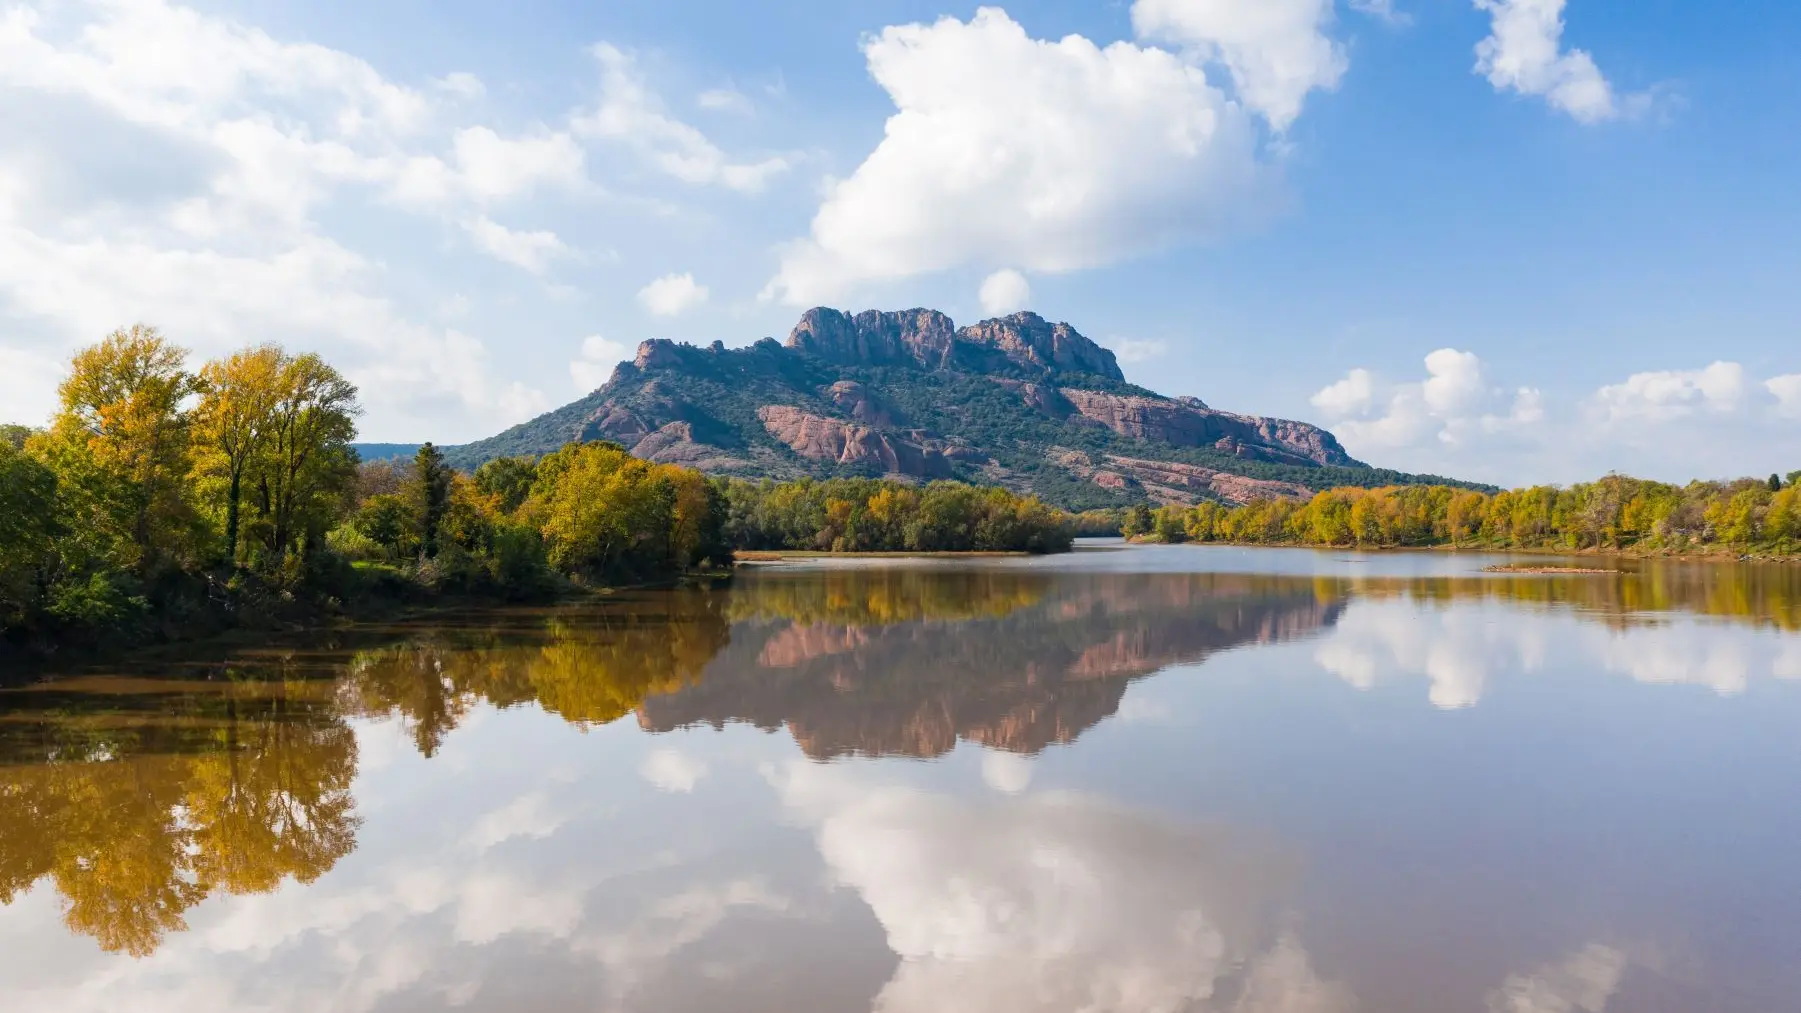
992,417
1615,513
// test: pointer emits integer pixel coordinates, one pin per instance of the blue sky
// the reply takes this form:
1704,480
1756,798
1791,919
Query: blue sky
1514,240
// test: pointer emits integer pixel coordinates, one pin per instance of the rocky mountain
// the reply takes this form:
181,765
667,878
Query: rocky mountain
1016,401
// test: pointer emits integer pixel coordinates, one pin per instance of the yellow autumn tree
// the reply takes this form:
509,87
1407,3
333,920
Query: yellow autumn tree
233,422
124,436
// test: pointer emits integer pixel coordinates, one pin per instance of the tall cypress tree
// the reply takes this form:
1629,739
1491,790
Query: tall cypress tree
433,496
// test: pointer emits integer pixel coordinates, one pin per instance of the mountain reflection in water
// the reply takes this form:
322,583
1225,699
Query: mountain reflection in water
1020,662
130,796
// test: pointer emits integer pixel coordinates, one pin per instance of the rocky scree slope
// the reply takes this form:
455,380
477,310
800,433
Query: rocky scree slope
1016,401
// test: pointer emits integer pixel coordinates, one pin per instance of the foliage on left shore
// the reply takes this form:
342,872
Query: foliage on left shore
166,502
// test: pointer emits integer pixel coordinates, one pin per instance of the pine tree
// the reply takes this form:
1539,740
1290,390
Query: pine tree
432,496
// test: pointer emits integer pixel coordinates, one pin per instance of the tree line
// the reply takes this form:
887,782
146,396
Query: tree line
872,515
164,501
1615,513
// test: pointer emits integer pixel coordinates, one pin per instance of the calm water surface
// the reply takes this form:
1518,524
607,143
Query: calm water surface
1148,779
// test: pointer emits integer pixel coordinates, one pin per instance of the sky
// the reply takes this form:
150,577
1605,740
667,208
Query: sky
1507,240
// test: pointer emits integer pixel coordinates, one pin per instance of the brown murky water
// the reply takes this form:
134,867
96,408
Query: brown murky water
1123,780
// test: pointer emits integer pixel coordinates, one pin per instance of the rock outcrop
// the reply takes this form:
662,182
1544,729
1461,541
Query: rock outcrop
857,401
874,338
1024,343
1031,342
1043,398
847,444
675,444
1181,424
1172,481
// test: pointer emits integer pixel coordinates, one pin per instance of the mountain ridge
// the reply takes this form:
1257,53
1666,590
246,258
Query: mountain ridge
1015,400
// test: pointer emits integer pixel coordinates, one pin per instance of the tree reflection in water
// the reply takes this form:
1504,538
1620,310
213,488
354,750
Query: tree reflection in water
136,815
137,796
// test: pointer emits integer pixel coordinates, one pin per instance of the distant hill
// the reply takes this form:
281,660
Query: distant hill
385,451
1015,401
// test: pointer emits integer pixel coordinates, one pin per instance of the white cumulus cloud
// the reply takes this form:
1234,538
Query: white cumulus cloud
1133,350
1524,53
1005,291
672,294
463,85
729,100
1041,156
1453,403
631,114
1350,396
1787,392
1671,394
1382,10
236,142
594,366
1717,421
532,251
28,384
1276,50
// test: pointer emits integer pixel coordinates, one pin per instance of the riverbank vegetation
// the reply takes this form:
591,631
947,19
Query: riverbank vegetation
871,515
1749,516
164,502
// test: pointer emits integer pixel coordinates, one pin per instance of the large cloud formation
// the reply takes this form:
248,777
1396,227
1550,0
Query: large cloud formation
1524,53
1673,424
166,165
1009,152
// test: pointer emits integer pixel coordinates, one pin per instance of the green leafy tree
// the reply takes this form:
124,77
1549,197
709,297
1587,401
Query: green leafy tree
28,531
234,421
306,469
1138,521
1168,523
508,480
389,521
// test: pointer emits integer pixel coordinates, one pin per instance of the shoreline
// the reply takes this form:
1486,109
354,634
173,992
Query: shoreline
20,664
1722,556
754,557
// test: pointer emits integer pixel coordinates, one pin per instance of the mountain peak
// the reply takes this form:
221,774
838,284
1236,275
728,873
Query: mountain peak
928,339
1033,342
919,337
656,353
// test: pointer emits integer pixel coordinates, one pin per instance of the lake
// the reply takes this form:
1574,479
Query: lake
1124,779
